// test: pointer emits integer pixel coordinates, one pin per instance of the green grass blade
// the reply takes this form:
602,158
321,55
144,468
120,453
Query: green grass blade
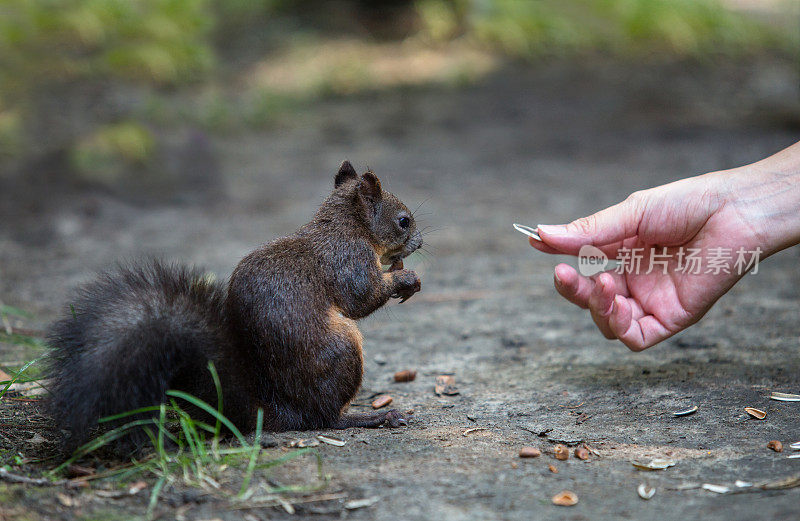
100,441
154,496
16,376
218,386
129,413
251,465
21,340
210,410
14,312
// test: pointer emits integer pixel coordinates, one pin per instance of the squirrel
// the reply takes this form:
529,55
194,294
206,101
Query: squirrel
282,336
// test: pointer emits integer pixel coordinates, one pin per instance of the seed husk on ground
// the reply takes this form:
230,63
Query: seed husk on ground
529,452
645,492
785,397
331,441
719,489
561,452
581,453
308,442
445,385
755,413
591,450
407,375
361,503
794,456
686,412
553,469
742,484
382,401
775,445
565,498
795,445
654,464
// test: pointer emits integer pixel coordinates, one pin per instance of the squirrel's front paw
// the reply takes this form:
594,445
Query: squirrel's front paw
409,284
394,419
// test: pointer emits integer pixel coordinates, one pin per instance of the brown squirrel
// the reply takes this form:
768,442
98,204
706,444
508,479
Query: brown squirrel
283,337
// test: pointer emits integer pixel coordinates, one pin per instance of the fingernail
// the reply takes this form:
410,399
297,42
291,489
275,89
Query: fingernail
558,280
552,229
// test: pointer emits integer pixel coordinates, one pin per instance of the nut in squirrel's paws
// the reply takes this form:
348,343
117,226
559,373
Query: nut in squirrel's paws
396,266
410,285
394,419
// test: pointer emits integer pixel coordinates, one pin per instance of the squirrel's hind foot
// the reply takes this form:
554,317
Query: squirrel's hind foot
389,418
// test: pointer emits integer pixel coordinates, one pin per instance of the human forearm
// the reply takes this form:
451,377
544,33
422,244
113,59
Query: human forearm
766,197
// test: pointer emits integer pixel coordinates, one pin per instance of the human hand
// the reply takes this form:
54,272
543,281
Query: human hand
745,209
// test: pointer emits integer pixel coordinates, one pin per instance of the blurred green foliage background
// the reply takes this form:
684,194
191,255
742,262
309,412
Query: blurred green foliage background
89,83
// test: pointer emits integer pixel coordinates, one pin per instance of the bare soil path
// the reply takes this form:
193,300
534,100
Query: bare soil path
547,144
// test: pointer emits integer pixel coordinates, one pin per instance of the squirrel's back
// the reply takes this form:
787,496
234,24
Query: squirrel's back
129,336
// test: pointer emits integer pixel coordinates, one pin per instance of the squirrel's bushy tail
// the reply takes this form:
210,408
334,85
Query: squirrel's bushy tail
129,336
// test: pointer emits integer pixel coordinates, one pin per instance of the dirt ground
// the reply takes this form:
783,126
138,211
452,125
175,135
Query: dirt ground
533,145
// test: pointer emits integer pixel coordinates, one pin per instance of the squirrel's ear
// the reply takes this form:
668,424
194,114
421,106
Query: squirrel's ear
370,187
345,173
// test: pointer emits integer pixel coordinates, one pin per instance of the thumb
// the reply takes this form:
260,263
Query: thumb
603,228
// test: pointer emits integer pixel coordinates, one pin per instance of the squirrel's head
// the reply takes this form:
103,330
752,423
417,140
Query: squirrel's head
391,225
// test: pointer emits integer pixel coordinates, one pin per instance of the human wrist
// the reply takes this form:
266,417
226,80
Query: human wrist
765,197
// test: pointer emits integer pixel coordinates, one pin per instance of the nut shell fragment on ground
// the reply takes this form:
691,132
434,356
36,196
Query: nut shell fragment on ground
785,397
308,442
775,445
755,413
331,441
529,452
382,401
407,375
565,498
581,453
717,489
686,412
561,452
654,464
645,491
445,385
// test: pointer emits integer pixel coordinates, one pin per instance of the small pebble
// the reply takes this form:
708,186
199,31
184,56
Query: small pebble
529,452
561,452
581,453
382,401
553,469
775,445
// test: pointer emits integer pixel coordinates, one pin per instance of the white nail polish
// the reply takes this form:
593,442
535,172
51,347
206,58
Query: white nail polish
527,230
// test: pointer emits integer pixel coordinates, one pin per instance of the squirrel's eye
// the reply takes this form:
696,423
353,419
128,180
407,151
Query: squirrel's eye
404,222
